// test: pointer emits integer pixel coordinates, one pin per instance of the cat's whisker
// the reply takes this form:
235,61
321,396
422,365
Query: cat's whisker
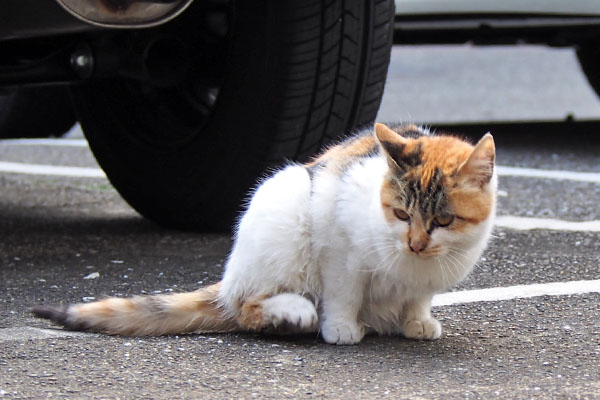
385,259
460,256
439,260
371,239
376,268
371,287
391,264
457,265
374,243
381,248
461,253
376,248
450,271
457,257
447,272
379,266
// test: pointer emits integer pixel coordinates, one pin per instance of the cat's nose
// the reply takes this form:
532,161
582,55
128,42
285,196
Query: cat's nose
417,246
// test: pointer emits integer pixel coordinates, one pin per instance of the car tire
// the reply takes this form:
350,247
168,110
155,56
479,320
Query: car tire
35,112
298,75
589,59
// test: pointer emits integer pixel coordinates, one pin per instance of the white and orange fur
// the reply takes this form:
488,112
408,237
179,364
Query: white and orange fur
357,241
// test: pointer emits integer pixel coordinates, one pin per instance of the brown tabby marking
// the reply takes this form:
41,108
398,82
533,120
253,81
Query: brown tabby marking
439,167
388,199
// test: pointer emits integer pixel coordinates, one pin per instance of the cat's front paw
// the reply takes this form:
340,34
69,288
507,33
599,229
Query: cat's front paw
429,329
342,332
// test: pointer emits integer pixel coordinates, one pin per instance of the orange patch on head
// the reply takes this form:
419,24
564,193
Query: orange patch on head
443,153
471,205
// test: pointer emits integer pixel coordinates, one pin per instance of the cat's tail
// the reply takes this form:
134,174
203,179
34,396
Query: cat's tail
145,315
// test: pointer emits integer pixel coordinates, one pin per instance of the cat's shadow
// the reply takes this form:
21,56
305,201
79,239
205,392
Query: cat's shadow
373,345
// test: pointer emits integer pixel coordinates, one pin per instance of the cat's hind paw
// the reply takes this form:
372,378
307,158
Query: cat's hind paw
345,332
429,329
290,313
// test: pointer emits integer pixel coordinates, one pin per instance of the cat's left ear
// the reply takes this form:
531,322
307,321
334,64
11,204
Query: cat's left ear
478,169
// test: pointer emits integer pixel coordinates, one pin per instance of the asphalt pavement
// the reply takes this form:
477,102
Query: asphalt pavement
57,232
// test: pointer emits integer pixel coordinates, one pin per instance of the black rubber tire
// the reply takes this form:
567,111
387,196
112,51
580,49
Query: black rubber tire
35,112
589,59
300,73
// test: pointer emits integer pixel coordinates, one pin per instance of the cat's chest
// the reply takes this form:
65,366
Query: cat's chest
402,281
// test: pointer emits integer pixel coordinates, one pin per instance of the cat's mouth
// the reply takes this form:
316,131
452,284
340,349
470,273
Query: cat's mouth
429,252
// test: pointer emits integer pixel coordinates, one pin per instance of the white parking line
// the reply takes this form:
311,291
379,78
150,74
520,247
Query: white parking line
45,142
517,292
26,333
549,174
527,224
503,170
38,169
593,177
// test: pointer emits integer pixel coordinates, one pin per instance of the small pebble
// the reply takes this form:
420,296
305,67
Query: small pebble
93,275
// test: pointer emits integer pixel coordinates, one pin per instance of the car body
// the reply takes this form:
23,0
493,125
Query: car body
550,22
506,7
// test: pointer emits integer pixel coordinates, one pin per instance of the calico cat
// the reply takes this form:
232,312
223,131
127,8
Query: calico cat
356,241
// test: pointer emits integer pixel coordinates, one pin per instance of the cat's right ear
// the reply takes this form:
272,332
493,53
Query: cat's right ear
391,143
478,169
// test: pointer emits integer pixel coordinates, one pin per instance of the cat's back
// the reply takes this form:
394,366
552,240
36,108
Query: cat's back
281,198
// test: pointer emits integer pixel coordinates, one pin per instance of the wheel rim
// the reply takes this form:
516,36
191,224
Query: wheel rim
166,116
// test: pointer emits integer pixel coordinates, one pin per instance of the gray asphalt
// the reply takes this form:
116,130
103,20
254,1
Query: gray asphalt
56,231
441,84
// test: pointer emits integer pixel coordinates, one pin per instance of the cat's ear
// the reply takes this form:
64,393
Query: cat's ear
392,144
478,169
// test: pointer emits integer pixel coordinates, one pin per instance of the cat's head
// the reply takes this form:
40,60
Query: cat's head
439,191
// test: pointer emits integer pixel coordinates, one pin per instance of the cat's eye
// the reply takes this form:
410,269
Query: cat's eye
443,220
401,214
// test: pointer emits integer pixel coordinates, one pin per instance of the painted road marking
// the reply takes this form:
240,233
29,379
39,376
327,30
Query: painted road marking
39,169
45,142
527,224
548,174
87,172
31,333
440,300
593,177
517,292
503,170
